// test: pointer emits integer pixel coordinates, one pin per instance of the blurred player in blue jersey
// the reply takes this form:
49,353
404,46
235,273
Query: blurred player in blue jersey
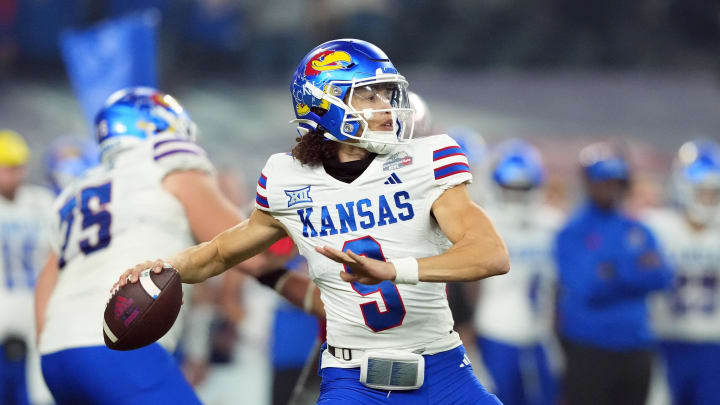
372,211
514,314
687,317
68,158
607,263
153,192
24,220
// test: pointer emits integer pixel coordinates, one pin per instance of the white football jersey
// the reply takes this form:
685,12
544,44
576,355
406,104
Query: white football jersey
384,214
517,308
112,218
24,225
690,310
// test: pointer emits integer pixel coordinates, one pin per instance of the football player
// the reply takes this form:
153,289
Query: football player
687,317
67,158
154,191
24,220
514,314
370,209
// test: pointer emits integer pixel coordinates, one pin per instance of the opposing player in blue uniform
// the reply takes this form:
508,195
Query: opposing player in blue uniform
686,318
384,221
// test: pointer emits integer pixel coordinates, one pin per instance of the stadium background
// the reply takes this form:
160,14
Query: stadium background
559,73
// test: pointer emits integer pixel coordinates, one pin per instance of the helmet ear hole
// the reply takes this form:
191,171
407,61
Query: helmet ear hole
319,111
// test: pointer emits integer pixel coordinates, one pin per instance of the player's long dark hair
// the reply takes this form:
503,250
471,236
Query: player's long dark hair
313,148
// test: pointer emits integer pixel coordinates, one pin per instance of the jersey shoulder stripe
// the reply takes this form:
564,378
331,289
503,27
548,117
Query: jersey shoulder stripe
447,152
170,147
261,195
451,169
262,201
276,167
448,159
174,154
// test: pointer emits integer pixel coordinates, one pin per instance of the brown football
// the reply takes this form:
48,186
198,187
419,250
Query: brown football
140,313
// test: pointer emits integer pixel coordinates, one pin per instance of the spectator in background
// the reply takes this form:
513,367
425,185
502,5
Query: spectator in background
687,317
608,263
514,314
24,219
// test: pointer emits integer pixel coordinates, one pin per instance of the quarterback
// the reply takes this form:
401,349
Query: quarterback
372,211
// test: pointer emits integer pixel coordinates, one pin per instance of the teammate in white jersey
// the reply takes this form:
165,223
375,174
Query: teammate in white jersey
514,314
154,193
687,318
24,221
371,211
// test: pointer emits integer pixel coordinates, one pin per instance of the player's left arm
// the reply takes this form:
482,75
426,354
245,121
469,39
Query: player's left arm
478,251
44,286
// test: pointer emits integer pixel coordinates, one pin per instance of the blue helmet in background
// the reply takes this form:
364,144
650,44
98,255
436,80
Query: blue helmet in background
515,175
67,158
604,161
322,91
696,179
517,165
134,114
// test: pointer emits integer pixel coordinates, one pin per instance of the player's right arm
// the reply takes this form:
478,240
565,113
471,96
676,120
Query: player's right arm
200,262
229,248
44,286
239,243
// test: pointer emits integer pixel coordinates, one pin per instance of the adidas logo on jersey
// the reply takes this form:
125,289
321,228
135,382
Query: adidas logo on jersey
393,179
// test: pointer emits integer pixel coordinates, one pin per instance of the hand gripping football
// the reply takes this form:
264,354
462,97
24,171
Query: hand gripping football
140,313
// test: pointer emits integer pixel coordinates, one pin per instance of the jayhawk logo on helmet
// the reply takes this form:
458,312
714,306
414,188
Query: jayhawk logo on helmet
327,60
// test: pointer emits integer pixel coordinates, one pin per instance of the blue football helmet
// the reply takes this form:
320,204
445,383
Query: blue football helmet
604,161
696,179
338,74
472,144
134,114
517,175
517,165
67,158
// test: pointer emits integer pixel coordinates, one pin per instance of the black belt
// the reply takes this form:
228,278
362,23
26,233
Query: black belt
341,353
